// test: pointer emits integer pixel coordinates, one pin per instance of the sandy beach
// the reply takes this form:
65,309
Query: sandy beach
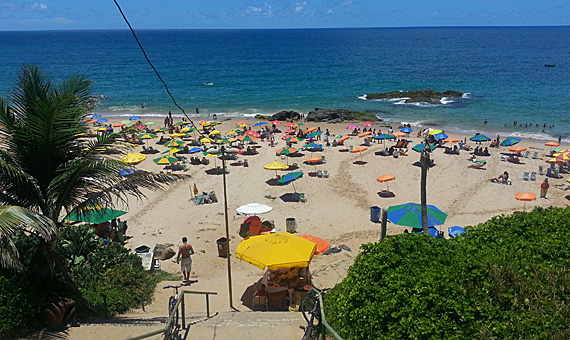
337,208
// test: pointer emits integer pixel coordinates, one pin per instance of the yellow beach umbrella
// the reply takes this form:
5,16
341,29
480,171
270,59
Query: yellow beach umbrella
174,144
185,129
435,132
276,166
276,251
206,140
215,132
133,158
166,159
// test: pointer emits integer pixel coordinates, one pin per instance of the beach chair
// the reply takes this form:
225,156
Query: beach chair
561,168
541,170
526,176
325,174
533,176
302,197
323,159
320,173
526,154
535,156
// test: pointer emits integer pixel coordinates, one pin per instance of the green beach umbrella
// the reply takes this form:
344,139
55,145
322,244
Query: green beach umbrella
174,144
420,147
166,159
127,122
410,215
95,215
162,129
149,123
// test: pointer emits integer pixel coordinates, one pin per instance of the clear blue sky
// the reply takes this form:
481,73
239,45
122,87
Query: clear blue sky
204,14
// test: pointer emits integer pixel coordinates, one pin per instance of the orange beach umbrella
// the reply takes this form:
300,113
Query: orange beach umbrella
525,197
313,160
517,149
385,179
360,149
451,140
343,139
311,129
551,144
364,134
399,134
322,245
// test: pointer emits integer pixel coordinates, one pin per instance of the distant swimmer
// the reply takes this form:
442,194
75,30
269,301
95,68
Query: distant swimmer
485,122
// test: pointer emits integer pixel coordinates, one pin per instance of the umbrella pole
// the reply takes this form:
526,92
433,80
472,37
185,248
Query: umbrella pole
227,230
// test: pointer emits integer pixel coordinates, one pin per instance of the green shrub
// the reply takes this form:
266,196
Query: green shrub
507,278
20,307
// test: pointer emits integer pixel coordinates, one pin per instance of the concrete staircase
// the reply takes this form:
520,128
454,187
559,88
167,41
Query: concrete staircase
247,325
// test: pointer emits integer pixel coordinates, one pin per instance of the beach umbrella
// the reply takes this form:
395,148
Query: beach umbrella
126,122
554,144
180,123
276,122
247,138
174,144
103,128
241,122
410,215
225,140
174,135
286,151
364,134
525,197
351,127
300,124
133,158
342,139
406,130
558,151
253,133
119,124
195,150
276,251
294,139
510,141
185,129
260,123
384,136
517,149
359,150
312,146
367,124
314,134
309,130
291,125
88,120
95,215
102,120
214,132
206,140
451,140
440,136
141,127
275,165
148,136
314,160
290,131
560,158
322,245
172,150
385,179
126,172
399,134
420,147
166,159
456,231
480,138
290,177
434,132
149,123
253,209
96,116
428,130
287,136
135,118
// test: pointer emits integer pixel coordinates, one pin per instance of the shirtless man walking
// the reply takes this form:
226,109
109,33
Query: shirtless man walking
184,252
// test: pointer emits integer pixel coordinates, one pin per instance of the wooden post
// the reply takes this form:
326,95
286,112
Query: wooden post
384,224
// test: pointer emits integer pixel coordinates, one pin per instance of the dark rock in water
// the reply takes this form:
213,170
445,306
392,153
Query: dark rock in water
163,252
338,115
285,115
419,96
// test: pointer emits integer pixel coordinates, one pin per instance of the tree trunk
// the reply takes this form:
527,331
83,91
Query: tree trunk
425,162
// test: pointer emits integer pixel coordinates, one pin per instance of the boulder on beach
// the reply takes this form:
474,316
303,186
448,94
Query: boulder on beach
285,115
163,251
338,115
418,96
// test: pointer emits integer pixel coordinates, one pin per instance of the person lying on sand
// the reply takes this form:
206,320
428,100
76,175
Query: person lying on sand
501,179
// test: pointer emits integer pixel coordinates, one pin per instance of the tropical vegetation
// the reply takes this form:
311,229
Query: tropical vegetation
49,168
507,278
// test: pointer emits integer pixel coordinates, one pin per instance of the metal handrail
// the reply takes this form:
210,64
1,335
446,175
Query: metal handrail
166,328
324,323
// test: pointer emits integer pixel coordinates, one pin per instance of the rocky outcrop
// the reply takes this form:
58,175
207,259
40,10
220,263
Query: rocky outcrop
338,115
163,251
419,96
285,115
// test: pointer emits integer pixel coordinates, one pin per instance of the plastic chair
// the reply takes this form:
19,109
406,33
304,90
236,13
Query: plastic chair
533,176
526,176
255,227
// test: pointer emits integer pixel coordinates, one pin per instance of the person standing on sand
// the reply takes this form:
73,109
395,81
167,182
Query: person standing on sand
184,252
544,188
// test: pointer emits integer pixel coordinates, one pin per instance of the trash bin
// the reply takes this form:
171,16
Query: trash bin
291,225
223,247
375,214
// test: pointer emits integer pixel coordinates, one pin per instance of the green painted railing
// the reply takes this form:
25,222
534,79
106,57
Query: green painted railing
325,327
167,329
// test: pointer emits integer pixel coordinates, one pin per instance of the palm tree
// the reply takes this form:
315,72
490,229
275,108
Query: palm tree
13,219
47,166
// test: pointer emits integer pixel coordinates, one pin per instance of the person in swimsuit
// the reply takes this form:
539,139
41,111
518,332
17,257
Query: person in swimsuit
184,252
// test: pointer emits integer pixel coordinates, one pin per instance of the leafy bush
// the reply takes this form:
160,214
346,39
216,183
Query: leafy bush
508,278
20,308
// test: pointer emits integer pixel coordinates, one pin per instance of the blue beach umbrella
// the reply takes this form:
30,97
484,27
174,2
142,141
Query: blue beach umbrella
102,120
96,116
260,123
384,136
290,177
420,147
440,136
126,172
480,138
510,141
314,134
312,145
194,150
406,130
135,118
456,231
410,215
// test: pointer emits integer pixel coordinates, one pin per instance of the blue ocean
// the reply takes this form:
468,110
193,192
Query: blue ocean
501,69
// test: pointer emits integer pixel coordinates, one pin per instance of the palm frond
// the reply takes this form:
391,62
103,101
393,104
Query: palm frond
9,255
14,218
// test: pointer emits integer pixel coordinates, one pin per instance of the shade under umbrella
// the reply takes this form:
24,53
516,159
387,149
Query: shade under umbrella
254,209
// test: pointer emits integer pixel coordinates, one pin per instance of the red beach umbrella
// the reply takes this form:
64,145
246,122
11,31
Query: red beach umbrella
276,122
367,124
